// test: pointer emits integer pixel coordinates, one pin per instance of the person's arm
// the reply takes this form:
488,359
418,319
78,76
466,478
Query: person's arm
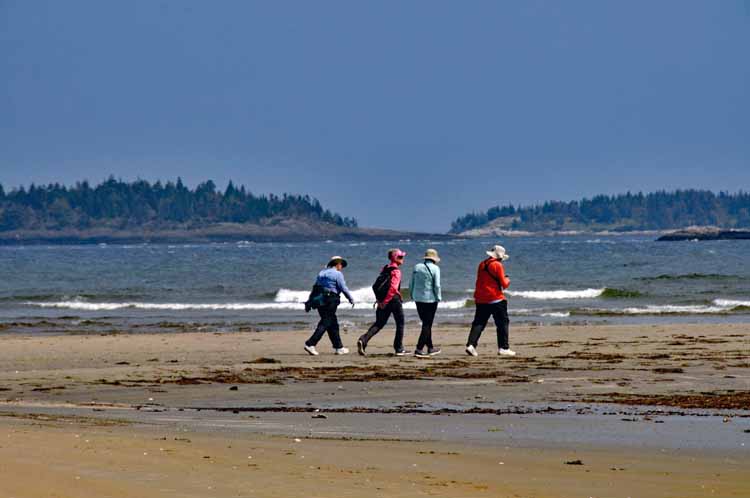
500,272
341,283
411,284
395,281
438,289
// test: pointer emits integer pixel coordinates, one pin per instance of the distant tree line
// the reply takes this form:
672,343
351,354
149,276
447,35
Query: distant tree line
624,212
123,205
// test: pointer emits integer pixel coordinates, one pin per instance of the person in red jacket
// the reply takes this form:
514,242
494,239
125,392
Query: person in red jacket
490,301
390,305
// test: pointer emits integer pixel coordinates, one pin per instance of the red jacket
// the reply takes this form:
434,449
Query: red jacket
491,281
395,285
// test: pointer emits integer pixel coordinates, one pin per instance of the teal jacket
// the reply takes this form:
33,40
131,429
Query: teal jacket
425,283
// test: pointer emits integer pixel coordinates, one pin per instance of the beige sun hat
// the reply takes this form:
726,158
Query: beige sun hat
336,260
498,252
432,254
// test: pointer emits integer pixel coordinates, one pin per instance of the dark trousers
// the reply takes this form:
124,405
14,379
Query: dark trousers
395,308
499,313
329,322
426,313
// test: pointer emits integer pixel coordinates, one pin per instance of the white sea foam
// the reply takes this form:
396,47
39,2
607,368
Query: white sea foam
667,309
86,306
289,299
558,294
538,312
730,303
285,299
363,295
453,305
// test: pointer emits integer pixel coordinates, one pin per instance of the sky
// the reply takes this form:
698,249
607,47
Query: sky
403,114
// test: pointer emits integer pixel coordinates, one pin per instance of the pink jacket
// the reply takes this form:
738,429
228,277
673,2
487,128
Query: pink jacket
395,284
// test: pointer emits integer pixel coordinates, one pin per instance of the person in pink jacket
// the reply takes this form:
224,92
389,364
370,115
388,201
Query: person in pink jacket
391,304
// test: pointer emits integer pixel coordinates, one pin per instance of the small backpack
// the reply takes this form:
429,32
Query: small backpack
382,283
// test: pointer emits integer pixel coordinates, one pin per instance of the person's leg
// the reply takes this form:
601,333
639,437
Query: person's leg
323,324
381,318
422,312
481,316
398,315
502,323
333,330
427,317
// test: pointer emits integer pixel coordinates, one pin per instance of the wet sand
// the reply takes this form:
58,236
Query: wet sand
649,411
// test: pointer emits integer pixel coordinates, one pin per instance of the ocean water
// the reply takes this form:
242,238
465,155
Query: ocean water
247,286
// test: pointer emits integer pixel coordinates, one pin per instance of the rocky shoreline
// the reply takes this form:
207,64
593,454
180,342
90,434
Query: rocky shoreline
705,233
285,231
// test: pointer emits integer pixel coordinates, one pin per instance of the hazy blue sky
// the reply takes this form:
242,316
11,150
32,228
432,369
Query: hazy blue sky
403,114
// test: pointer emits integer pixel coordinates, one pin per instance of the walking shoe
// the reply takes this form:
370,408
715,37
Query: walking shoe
419,353
311,350
401,352
341,351
434,351
471,350
361,347
506,352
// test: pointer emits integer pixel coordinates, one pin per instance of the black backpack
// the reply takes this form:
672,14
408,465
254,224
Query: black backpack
382,283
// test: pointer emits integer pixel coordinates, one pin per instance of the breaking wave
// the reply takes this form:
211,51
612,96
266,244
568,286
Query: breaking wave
87,306
284,299
558,294
730,303
717,307
293,300
363,297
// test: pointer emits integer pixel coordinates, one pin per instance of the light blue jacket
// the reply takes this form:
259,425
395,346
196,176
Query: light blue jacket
425,283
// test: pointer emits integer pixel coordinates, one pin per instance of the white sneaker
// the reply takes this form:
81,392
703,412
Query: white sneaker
311,350
471,351
506,352
341,351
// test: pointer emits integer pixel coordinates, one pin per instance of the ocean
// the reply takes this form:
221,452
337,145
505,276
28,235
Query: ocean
250,286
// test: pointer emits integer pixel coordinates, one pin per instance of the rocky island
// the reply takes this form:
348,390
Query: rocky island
705,233
140,212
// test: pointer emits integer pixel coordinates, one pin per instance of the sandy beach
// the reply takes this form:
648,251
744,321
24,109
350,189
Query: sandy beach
610,410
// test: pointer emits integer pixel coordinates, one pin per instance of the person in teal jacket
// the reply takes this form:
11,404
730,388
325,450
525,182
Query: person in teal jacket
426,293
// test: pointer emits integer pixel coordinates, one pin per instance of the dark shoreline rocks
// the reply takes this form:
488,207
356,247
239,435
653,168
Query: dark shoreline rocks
705,233
286,231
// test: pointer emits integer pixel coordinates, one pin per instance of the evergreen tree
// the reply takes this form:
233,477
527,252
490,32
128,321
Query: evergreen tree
657,210
120,204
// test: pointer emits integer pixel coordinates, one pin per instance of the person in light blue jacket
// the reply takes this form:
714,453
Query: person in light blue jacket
426,293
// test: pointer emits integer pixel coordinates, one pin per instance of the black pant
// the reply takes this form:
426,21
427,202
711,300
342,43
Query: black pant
499,312
426,313
395,308
329,322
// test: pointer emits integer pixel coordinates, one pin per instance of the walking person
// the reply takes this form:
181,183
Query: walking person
326,297
426,293
388,294
490,301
